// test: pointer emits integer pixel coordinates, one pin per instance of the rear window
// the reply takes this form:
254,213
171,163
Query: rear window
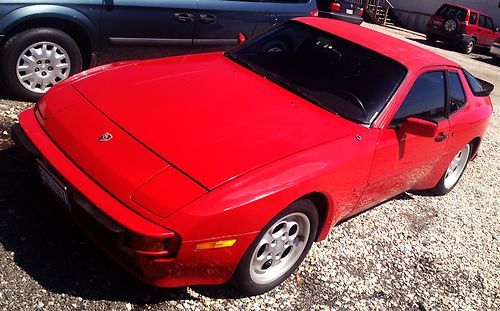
329,71
450,11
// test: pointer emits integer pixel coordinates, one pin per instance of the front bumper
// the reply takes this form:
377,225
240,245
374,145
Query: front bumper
351,18
107,221
495,49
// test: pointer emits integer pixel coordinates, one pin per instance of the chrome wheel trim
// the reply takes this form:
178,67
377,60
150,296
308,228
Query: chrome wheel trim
470,46
41,65
456,167
450,25
280,248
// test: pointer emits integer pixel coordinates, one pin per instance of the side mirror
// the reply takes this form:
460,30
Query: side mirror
420,127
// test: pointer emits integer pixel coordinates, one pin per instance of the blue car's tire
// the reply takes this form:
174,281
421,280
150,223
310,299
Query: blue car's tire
34,60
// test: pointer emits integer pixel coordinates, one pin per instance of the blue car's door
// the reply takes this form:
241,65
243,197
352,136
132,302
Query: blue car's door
149,22
220,21
278,11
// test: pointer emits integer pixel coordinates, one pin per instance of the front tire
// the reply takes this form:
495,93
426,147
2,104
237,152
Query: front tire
453,172
34,60
278,250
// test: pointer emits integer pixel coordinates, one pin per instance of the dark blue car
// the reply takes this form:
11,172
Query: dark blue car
44,41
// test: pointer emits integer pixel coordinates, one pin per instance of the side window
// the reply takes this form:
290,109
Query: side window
482,21
490,24
425,100
457,94
473,83
473,18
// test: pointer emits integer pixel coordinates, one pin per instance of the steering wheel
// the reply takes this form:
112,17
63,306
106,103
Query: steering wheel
355,99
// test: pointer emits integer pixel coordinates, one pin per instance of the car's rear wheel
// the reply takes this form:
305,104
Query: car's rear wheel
467,46
35,60
278,250
453,172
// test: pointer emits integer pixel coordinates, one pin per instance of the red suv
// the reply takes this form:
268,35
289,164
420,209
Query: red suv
463,26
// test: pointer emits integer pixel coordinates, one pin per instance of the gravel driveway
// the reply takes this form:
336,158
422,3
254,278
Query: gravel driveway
414,252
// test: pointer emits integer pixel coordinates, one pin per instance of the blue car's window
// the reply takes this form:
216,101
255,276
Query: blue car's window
332,72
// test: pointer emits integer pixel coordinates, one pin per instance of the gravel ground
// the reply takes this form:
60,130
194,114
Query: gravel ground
414,252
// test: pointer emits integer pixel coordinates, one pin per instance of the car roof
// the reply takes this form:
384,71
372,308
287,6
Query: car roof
407,54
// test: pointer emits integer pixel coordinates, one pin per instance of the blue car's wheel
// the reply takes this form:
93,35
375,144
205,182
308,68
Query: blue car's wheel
35,60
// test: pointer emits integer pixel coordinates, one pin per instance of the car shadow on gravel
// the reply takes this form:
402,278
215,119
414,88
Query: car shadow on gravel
50,249
495,61
439,44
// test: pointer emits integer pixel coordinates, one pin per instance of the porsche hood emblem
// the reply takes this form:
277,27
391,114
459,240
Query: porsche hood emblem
105,137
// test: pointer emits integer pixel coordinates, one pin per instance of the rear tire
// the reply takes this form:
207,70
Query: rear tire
467,46
453,172
278,250
32,61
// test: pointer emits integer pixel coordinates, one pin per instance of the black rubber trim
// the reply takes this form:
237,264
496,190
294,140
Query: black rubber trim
22,141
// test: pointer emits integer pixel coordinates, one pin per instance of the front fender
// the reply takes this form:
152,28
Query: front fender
87,18
338,170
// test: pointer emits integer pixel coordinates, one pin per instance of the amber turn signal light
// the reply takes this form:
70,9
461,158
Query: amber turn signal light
213,245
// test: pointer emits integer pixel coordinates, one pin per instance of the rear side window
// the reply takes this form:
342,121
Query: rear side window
473,18
473,83
425,100
450,11
457,94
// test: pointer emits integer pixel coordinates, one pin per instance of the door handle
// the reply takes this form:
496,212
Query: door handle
208,18
441,137
184,17
108,4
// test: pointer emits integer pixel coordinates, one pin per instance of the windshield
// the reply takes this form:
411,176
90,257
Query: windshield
331,72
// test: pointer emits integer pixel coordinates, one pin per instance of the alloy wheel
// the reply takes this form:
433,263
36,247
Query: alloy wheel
280,248
456,167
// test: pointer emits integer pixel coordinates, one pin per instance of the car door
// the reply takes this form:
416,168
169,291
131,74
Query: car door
486,31
402,159
221,21
275,12
149,22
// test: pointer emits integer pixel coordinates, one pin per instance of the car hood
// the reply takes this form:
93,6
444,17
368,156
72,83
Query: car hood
209,117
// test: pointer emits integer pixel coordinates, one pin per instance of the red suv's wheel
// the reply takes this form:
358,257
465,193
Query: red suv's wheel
467,46
451,25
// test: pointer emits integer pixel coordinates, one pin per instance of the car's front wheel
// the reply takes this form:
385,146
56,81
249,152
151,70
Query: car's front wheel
454,171
278,250
34,60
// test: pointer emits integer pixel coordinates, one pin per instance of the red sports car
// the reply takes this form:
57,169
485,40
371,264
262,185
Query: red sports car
210,168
